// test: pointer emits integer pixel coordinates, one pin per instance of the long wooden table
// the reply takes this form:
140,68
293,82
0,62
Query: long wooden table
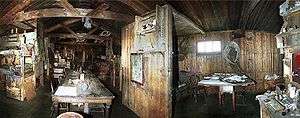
102,96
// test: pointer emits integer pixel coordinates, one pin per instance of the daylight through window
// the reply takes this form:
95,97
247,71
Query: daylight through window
209,47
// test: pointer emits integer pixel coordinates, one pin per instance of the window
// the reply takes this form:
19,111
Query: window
209,47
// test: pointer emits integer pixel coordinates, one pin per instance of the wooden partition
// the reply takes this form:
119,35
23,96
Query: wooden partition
258,56
146,86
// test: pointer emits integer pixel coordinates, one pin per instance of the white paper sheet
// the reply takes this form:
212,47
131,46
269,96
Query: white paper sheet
66,91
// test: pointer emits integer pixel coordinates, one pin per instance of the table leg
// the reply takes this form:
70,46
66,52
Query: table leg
55,109
107,108
86,108
68,106
223,99
220,98
233,102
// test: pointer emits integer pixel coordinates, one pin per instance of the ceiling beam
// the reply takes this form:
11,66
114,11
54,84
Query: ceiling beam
71,36
67,22
70,30
21,25
73,43
59,12
99,9
92,31
65,4
29,24
137,5
9,16
187,22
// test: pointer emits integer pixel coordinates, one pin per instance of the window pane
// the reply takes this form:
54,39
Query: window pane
209,47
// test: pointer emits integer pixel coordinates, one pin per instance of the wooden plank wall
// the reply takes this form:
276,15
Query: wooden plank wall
259,56
153,98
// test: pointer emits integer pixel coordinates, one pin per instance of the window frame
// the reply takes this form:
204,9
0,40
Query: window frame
209,53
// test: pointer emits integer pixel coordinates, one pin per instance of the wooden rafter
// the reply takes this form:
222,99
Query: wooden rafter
99,9
92,31
21,25
70,30
65,4
29,24
59,12
137,5
187,22
70,36
9,17
71,43
67,22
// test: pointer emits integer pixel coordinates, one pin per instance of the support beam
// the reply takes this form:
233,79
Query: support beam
65,4
67,22
9,16
71,31
137,5
92,31
99,9
185,24
59,12
29,24
71,43
20,25
70,36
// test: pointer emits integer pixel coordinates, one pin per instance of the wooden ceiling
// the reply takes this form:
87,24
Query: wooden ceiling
262,15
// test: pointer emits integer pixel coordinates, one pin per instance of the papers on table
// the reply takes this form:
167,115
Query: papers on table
66,91
214,82
235,78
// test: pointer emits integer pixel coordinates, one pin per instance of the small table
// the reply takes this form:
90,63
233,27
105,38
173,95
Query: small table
223,88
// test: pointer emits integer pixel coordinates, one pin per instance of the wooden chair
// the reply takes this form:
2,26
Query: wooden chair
70,115
97,108
183,83
197,89
61,106
241,95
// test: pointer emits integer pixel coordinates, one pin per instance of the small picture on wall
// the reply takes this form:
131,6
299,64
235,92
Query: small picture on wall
137,68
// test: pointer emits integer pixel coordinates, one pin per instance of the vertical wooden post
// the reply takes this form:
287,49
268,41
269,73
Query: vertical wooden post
143,99
169,57
233,100
83,59
41,45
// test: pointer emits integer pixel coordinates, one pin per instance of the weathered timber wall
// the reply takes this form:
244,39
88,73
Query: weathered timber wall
258,57
152,99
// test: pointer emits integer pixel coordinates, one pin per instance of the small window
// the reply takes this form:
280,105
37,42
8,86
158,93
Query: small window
209,47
